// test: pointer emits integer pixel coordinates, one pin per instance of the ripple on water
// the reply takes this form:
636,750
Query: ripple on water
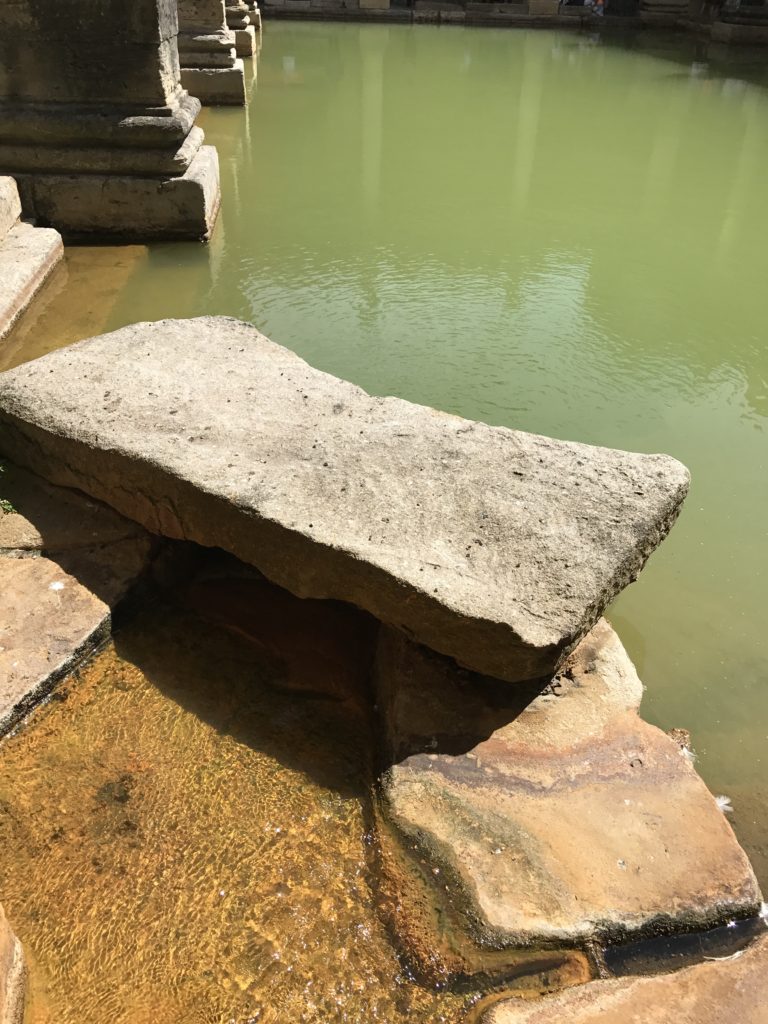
183,839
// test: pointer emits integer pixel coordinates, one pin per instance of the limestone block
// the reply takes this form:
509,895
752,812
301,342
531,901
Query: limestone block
11,975
496,547
60,610
76,50
115,206
732,989
10,206
555,816
216,86
28,255
245,41
202,15
374,5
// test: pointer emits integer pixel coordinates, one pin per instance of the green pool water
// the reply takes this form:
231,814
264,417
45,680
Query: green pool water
553,231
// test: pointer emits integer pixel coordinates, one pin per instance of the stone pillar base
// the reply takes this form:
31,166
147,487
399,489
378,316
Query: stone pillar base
216,86
727,32
96,207
245,41
27,257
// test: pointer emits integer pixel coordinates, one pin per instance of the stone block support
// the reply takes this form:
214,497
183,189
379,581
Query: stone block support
93,114
210,67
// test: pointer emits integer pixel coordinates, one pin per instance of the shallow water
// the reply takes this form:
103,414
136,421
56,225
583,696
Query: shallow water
185,837
546,230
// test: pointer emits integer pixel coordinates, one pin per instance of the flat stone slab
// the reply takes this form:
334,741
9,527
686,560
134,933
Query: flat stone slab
557,819
55,612
732,989
496,547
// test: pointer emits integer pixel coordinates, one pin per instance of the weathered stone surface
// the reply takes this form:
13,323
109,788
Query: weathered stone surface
52,519
11,975
90,95
86,50
216,86
496,547
732,989
554,818
27,257
103,159
245,41
10,206
96,206
54,612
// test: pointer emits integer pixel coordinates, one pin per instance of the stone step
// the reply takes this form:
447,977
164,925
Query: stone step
557,817
496,547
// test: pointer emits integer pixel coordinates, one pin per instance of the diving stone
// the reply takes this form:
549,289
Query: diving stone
493,546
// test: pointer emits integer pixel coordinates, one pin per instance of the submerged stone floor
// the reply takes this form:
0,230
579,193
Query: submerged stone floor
185,830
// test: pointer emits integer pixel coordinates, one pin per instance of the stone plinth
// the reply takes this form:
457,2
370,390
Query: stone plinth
91,99
210,67
497,547
27,257
557,817
254,13
11,975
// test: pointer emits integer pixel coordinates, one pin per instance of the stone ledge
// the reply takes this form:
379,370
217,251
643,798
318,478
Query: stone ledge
553,818
61,611
732,989
28,255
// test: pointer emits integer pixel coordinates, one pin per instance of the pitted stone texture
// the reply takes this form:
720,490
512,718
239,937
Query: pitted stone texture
558,817
496,547
11,975
732,989
82,51
56,611
51,519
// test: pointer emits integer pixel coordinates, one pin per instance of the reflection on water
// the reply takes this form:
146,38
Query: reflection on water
184,836
553,231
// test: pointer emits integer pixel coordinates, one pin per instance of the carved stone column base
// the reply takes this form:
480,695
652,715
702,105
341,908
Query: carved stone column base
98,207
